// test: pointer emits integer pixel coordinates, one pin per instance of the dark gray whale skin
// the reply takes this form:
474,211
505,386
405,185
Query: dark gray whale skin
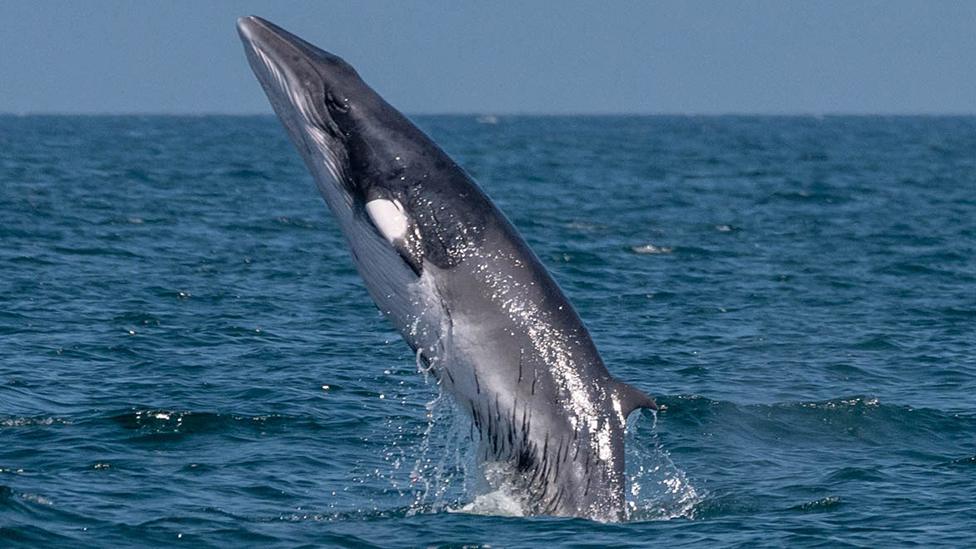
459,283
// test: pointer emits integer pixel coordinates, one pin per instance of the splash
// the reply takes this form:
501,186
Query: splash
441,456
497,496
656,488
446,475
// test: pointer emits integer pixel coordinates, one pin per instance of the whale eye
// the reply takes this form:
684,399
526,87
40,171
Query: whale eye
335,104
388,217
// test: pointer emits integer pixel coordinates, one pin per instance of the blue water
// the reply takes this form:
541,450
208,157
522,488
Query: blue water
187,356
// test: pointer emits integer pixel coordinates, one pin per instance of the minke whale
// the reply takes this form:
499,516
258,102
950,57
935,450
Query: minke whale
458,282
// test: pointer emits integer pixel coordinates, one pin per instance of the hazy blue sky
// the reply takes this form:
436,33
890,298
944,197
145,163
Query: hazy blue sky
502,57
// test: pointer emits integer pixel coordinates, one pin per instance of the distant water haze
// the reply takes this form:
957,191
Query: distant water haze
114,56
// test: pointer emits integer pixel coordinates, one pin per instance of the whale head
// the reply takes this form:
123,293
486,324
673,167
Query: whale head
325,106
404,206
358,148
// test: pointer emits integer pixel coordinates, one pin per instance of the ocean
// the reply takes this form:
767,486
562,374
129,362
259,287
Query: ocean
188,357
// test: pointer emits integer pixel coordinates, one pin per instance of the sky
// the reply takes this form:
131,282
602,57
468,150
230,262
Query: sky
538,57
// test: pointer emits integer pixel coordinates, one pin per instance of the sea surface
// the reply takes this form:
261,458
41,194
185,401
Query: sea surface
188,357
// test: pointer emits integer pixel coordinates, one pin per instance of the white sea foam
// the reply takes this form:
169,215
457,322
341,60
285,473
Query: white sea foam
650,249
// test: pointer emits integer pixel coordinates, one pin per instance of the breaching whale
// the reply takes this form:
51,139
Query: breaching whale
458,282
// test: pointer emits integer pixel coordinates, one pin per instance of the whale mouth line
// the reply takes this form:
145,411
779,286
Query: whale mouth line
287,83
296,89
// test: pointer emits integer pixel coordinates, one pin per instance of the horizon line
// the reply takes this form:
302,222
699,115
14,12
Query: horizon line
541,114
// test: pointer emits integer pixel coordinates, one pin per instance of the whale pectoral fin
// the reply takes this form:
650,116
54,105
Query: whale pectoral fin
392,222
632,398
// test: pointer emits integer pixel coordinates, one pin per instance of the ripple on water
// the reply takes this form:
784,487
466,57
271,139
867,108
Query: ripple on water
810,329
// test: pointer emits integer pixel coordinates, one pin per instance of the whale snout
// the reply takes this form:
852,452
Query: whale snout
246,24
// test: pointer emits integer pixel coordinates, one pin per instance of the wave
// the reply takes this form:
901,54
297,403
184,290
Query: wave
163,421
433,469
31,421
860,416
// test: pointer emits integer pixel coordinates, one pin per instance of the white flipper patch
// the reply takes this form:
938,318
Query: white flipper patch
388,217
